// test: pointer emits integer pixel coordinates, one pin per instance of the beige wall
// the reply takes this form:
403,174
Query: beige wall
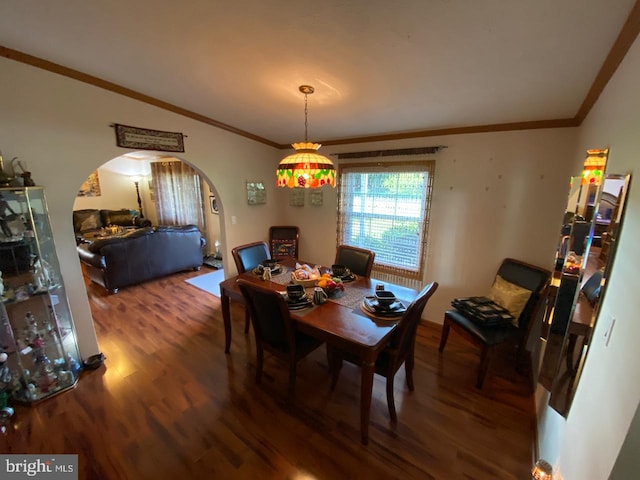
117,192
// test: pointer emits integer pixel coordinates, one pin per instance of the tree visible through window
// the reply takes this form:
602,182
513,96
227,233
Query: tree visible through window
384,207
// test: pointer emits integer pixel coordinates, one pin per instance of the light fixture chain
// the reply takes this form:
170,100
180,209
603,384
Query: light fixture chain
306,124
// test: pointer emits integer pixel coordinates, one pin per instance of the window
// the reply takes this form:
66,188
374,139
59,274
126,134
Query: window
384,207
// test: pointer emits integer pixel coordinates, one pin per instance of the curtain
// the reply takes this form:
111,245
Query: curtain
178,190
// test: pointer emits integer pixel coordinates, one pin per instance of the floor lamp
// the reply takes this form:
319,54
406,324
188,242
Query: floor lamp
136,181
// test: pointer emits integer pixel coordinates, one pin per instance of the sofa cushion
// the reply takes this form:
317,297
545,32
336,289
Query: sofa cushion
97,245
86,220
124,217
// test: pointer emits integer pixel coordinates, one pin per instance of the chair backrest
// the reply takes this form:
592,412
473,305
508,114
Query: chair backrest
532,278
358,260
283,241
579,235
591,288
269,315
405,335
248,256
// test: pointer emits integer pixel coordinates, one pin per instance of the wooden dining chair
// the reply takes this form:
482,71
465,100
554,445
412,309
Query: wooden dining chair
247,257
358,260
399,350
274,330
284,241
489,337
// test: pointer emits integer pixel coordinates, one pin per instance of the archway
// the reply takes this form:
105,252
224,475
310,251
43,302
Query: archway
125,182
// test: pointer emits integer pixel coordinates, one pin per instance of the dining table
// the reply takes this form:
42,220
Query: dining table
341,321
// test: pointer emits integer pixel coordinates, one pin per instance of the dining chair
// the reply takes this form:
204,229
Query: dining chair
399,350
247,257
358,260
518,277
274,330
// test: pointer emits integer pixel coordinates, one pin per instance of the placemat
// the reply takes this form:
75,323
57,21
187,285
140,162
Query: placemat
363,311
352,296
282,278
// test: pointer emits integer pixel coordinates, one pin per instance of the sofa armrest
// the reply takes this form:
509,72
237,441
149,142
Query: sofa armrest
142,222
90,258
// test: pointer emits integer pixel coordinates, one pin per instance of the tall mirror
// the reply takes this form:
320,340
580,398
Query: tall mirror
583,261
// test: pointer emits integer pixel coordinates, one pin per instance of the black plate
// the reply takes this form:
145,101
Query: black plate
371,304
303,299
299,305
346,278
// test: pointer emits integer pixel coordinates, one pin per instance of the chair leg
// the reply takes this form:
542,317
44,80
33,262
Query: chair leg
247,320
329,357
259,359
485,361
408,369
444,335
390,400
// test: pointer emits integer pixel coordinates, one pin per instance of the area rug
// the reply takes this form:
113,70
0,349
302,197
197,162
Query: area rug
209,282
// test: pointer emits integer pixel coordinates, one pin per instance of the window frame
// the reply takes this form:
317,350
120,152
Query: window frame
427,166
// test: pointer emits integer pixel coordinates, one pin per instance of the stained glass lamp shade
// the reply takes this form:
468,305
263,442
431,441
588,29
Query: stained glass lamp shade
306,168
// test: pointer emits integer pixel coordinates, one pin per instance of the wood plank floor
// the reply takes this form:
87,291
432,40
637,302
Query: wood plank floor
168,403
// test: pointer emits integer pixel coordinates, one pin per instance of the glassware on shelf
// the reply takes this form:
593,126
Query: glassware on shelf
36,328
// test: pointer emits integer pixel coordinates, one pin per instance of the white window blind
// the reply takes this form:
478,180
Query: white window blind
384,207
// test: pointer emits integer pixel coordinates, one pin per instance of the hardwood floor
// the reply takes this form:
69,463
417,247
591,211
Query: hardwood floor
168,403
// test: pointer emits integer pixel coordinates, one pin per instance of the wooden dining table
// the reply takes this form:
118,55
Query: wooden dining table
340,322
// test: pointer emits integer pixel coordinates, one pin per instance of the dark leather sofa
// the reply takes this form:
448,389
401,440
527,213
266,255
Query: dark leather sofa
142,254
91,220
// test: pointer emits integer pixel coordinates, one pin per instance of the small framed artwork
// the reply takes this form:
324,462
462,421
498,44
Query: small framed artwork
213,201
91,186
256,193
315,197
296,197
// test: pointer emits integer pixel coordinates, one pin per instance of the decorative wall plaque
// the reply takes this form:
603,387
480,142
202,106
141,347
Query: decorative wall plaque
296,197
145,139
256,194
315,197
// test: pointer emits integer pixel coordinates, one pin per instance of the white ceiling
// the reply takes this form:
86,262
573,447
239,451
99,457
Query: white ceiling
378,66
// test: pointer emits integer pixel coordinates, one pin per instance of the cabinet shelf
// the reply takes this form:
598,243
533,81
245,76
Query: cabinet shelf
36,328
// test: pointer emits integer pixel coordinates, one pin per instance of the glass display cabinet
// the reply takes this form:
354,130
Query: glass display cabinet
39,354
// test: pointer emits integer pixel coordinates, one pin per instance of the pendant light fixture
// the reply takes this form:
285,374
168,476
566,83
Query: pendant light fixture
594,166
306,168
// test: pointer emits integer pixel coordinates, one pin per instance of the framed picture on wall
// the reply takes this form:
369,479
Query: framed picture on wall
315,197
214,204
91,186
296,197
